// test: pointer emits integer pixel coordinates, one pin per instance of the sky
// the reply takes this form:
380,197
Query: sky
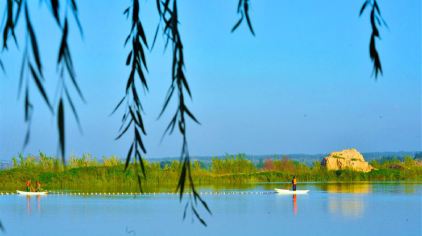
303,84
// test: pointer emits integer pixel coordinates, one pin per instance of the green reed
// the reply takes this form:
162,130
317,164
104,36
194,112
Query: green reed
87,173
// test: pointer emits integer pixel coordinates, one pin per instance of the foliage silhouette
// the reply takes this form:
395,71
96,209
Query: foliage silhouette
376,21
31,65
133,109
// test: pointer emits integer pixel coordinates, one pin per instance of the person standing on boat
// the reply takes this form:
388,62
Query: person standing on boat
38,186
294,183
28,185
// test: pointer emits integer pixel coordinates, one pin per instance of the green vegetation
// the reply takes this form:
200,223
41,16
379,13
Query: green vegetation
87,173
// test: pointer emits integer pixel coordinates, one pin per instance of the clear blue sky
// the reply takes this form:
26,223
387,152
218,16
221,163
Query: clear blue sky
302,85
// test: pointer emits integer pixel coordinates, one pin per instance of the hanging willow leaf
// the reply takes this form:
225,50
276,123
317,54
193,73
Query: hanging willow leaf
185,210
40,86
34,43
248,20
124,130
141,163
203,202
139,140
28,115
72,106
2,229
374,18
118,105
9,26
375,31
198,216
170,127
55,10
129,56
141,123
75,14
191,115
182,180
129,154
18,11
2,66
22,70
365,4
237,24
63,43
28,105
155,36
27,137
142,34
243,10
135,13
65,57
61,128
167,100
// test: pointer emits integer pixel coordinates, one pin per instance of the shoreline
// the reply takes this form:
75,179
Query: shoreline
110,174
168,188
253,188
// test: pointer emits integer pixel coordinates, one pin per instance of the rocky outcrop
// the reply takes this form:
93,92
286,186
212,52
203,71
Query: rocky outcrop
349,159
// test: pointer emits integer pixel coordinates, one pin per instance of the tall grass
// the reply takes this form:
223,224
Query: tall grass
89,173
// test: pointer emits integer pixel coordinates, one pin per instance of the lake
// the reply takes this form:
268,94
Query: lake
329,209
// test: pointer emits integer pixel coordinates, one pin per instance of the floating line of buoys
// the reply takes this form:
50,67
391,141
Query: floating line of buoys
148,193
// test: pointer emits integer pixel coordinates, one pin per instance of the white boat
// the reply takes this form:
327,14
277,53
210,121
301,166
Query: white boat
288,191
31,193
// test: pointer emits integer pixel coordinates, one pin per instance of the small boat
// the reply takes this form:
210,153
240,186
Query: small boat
31,193
288,191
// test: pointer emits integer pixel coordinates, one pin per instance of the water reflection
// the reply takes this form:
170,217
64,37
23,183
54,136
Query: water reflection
382,212
228,187
358,188
410,188
347,207
39,203
163,188
28,204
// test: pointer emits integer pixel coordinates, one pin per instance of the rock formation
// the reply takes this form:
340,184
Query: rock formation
349,159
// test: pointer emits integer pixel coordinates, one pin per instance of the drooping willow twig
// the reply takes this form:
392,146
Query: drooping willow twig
132,117
243,10
168,13
32,67
376,21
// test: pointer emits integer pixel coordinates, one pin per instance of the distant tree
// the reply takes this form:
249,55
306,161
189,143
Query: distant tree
286,165
167,10
409,161
268,164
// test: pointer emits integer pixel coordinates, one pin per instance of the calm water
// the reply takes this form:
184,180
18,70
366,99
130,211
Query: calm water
329,209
